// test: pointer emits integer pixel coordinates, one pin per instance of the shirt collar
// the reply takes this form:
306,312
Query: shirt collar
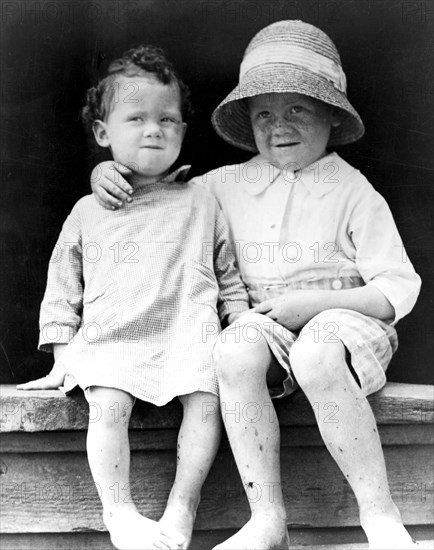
319,178
323,175
178,175
257,174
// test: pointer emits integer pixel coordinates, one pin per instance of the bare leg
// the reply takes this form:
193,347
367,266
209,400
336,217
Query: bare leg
243,365
198,442
353,441
108,453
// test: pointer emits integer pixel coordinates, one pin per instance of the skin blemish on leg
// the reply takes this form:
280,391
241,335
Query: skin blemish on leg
340,450
356,438
256,431
261,448
375,431
250,484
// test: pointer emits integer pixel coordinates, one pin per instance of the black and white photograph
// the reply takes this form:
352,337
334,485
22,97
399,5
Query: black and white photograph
217,275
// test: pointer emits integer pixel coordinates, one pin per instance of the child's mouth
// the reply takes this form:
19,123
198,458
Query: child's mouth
289,144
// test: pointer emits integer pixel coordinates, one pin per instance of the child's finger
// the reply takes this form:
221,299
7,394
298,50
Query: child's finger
263,307
118,175
123,169
39,384
118,188
107,201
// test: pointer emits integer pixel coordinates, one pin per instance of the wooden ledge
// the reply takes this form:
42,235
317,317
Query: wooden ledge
51,410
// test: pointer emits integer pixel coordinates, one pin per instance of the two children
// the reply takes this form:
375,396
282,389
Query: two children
129,294
323,262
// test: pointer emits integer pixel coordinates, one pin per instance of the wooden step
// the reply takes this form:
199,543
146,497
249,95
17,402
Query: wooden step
47,490
202,540
51,410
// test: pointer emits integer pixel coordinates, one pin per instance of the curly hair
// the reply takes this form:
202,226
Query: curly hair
134,62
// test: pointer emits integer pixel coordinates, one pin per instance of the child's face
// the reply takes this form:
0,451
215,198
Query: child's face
144,128
291,128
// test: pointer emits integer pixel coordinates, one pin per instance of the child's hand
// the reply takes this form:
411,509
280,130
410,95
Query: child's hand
293,310
111,189
52,381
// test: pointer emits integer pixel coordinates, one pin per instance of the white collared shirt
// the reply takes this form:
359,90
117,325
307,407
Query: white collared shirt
323,222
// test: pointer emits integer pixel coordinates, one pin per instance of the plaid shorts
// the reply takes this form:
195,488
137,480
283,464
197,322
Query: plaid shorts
369,342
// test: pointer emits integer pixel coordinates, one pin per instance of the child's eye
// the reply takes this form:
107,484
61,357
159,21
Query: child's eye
137,118
264,114
171,119
296,109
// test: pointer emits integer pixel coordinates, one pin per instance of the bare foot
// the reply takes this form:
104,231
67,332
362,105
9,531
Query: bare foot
129,530
262,532
385,533
179,520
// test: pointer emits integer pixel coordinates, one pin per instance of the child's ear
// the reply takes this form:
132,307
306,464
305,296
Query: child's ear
99,129
184,129
336,118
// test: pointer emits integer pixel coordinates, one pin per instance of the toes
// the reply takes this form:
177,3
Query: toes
175,539
164,543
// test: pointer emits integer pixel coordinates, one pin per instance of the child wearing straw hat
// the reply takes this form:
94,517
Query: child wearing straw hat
326,271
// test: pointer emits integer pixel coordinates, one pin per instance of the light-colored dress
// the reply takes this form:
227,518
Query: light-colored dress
138,292
323,227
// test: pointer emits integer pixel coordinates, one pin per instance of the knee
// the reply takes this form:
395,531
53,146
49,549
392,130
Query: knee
109,407
238,360
317,362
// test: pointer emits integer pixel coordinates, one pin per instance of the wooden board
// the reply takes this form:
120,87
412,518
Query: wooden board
51,410
54,492
165,440
320,539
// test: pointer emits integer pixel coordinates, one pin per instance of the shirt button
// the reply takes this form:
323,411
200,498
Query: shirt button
336,284
272,226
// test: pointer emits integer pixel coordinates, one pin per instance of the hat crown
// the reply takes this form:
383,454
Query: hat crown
298,34
288,44
288,57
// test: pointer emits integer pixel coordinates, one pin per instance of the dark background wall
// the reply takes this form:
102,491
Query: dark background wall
53,51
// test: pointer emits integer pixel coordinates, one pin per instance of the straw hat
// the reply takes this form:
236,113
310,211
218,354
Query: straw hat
288,56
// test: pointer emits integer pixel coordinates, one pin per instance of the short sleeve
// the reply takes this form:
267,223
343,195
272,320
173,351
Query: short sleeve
380,254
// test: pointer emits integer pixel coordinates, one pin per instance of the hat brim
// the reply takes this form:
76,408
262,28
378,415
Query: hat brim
231,118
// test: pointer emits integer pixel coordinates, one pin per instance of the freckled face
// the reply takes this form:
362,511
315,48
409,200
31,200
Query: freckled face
144,128
291,129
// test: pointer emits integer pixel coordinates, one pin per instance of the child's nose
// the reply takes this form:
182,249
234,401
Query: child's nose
281,121
152,129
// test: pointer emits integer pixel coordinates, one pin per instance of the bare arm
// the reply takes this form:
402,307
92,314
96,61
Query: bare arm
296,308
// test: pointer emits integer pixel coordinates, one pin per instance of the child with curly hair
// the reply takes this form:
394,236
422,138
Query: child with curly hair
134,296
